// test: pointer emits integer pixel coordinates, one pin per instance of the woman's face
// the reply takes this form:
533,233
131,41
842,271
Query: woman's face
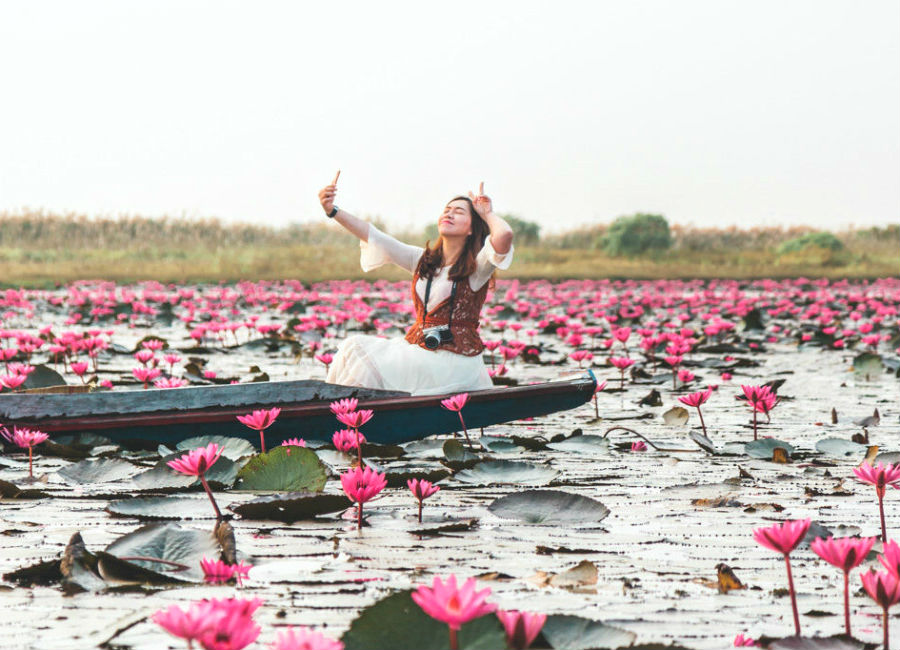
456,221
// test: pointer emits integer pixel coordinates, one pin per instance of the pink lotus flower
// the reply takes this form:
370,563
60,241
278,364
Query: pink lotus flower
354,419
696,400
146,375
685,376
25,438
456,402
622,363
521,628
13,381
890,558
260,420
453,605
294,442
884,588
144,356
169,382
761,399
741,641
79,368
325,358
344,405
880,476
347,439
230,633
599,388
360,485
188,624
303,638
638,446
218,571
845,553
421,489
784,538
196,463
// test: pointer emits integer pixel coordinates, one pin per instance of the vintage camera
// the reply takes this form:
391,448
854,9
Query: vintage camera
437,336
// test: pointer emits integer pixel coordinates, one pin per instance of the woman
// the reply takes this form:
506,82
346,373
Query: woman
441,352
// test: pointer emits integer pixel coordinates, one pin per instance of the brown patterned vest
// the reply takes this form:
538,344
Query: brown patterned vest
466,311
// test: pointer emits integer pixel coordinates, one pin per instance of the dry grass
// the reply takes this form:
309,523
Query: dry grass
38,249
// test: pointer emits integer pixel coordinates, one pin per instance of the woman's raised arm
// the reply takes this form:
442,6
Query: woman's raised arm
355,225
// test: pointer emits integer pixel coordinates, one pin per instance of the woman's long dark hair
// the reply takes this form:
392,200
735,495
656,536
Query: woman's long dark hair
433,257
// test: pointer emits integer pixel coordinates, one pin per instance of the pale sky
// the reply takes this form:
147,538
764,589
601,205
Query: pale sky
711,112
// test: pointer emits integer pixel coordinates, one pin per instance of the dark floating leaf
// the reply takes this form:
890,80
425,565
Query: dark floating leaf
589,444
79,568
291,507
101,470
43,377
42,574
397,622
168,542
454,450
83,441
703,442
163,508
550,508
577,633
839,642
841,448
51,448
283,469
765,447
507,472
233,448
10,491
373,450
868,364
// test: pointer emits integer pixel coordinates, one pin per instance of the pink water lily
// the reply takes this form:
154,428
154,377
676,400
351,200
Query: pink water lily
347,439
260,420
696,400
421,489
784,538
456,403
521,628
884,588
453,605
344,405
218,571
26,439
197,463
880,476
845,553
890,558
361,485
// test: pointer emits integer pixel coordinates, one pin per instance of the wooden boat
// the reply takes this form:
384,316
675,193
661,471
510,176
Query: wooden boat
168,416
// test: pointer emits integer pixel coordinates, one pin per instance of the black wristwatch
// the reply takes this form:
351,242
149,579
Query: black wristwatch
333,212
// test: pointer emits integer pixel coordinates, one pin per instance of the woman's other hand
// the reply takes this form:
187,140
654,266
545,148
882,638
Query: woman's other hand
326,194
482,203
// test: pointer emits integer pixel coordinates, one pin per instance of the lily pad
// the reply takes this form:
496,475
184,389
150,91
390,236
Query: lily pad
888,457
676,416
868,364
284,470
839,642
233,448
588,444
397,622
507,472
499,445
168,542
765,447
163,508
291,507
397,475
101,470
841,448
703,442
576,633
455,451
550,508
428,448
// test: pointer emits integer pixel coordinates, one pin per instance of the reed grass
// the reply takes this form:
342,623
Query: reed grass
41,250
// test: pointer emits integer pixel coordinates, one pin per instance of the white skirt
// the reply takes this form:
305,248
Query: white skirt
395,364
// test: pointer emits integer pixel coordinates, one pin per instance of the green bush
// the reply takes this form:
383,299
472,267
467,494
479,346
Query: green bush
824,240
637,234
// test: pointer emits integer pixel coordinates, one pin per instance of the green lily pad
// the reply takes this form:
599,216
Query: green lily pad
550,508
764,447
841,448
507,472
170,542
499,445
163,508
397,475
839,642
588,444
577,633
456,451
233,448
397,622
101,470
868,364
291,507
297,469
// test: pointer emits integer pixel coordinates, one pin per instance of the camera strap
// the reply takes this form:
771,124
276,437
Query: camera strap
452,301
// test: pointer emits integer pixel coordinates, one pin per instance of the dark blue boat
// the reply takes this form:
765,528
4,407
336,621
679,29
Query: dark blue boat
170,415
